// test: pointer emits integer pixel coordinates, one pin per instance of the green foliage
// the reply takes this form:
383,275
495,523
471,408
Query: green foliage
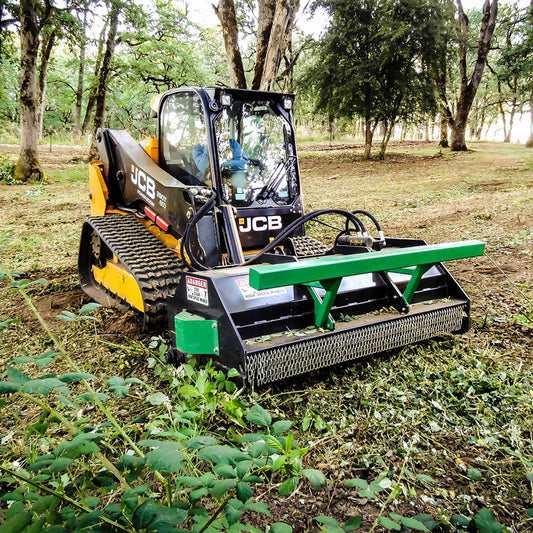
474,474
486,523
207,485
280,527
7,171
377,60
69,316
387,523
258,416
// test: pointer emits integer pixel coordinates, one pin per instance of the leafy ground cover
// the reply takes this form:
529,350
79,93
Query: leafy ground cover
435,436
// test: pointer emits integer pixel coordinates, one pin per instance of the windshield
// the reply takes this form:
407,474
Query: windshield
257,161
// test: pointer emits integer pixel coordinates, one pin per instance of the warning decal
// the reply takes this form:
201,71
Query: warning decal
250,293
197,290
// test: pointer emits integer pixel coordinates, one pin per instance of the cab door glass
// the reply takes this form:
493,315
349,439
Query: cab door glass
183,139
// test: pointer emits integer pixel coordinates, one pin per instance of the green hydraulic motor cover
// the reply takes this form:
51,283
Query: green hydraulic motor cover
195,334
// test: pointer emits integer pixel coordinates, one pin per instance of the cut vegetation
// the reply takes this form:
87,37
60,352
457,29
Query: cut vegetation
97,433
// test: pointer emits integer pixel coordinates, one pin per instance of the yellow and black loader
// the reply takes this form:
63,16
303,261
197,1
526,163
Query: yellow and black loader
202,231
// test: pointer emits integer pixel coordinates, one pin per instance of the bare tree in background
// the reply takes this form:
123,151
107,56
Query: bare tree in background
40,23
275,23
47,43
529,142
27,166
469,86
225,11
105,69
81,72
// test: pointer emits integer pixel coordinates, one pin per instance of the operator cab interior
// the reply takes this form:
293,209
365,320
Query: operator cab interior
183,139
255,148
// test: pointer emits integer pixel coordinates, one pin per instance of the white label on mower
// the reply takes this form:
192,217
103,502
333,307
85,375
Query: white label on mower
249,293
197,290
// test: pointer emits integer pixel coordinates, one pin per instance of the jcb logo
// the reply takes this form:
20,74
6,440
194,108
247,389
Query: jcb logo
144,183
272,222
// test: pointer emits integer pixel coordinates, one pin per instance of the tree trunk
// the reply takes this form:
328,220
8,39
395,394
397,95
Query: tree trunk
459,137
369,135
94,87
104,75
469,87
81,72
331,124
266,17
511,121
387,131
226,14
446,117
504,120
46,50
473,128
281,28
443,143
27,166
529,142
481,124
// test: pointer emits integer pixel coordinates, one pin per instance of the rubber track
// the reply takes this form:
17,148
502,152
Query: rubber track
155,268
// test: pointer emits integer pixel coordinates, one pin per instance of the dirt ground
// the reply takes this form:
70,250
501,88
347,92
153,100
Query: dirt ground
418,191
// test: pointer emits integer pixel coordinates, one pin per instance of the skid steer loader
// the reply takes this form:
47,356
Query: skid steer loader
202,230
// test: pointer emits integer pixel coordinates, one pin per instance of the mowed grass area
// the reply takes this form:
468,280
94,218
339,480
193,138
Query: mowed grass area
449,421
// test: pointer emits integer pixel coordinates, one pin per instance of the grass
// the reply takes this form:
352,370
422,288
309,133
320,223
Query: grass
449,421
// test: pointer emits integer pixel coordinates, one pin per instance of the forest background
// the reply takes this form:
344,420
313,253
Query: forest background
97,433
389,69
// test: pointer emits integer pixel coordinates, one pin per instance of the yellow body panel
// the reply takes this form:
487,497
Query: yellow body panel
99,194
168,240
119,281
151,147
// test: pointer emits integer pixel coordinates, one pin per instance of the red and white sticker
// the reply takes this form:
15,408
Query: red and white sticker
197,290
249,293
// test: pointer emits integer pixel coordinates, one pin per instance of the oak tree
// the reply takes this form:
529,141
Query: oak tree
469,83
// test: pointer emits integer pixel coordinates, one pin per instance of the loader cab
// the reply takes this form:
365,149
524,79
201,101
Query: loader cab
256,156
240,142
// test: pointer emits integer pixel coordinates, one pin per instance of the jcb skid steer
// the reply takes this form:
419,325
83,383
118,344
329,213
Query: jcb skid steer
202,230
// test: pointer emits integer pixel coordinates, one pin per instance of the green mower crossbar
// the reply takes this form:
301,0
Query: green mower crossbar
327,272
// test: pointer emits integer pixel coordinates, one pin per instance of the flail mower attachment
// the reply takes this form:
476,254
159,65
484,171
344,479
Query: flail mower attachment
277,321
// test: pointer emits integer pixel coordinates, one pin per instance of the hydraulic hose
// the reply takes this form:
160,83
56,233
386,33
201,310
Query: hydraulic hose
289,230
366,214
185,249
369,215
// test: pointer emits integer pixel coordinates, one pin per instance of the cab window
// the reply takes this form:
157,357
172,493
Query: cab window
257,162
183,139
